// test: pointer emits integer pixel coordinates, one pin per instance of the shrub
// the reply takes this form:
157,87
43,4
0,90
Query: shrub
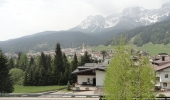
161,95
68,86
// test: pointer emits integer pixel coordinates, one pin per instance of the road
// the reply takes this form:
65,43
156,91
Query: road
31,98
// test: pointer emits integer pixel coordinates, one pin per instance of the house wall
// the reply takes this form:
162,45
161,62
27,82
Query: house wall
162,76
83,78
167,69
166,87
100,75
164,80
158,79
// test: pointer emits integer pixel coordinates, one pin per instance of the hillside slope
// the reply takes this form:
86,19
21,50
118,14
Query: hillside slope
47,41
158,33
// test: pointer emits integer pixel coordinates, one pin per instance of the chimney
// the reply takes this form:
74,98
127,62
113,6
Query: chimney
163,58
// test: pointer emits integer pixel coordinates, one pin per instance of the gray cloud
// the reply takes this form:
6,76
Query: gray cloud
108,7
2,2
24,17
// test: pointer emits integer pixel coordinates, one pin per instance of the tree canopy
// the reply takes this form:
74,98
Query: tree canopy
6,84
158,33
126,79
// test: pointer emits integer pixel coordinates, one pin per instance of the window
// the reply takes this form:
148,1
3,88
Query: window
164,84
157,78
88,79
166,75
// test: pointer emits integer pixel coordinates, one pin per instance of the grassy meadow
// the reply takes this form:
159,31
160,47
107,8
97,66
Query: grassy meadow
35,89
153,49
102,47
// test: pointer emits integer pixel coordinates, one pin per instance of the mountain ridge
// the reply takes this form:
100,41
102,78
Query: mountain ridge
158,33
75,37
140,16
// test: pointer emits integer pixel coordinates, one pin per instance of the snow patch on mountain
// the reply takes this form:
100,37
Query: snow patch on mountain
134,15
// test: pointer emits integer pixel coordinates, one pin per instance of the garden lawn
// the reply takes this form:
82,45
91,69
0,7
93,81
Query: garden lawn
35,89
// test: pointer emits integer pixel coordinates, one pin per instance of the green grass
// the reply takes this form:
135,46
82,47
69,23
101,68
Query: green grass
35,89
102,47
153,49
65,90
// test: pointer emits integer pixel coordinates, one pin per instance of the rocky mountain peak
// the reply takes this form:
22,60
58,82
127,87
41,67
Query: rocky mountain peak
166,5
137,16
132,11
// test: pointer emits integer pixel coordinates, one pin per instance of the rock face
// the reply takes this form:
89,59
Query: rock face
135,16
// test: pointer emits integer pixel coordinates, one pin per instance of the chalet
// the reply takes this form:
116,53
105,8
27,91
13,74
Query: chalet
91,74
162,68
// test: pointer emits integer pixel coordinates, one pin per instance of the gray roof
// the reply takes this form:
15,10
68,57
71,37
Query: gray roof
91,66
85,70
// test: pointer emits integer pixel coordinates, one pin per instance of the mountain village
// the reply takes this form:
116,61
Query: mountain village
92,74
80,69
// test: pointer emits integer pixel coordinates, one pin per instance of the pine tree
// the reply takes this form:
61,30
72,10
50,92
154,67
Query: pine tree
11,63
74,65
58,65
104,53
26,83
85,59
29,73
31,61
66,65
6,84
49,70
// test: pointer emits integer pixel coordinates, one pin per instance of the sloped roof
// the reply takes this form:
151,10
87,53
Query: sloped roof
85,70
90,66
158,68
160,65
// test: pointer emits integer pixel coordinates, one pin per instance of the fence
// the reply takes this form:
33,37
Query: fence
157,98
64,95
48,95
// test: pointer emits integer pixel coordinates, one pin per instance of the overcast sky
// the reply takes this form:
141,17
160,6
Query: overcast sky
24,17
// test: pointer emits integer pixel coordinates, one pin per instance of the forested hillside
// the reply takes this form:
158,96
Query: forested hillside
158,33
47,40
43,70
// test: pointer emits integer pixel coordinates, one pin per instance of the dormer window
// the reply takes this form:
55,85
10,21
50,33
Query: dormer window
166,75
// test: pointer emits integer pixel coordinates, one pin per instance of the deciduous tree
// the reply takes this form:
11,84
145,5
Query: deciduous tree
126,80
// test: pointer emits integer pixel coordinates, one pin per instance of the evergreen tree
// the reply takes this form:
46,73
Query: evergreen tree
11,63
58,65
31,61
104,53
23,62
85,59
6,84
26,83
66,65
49,70
124,80
74,65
